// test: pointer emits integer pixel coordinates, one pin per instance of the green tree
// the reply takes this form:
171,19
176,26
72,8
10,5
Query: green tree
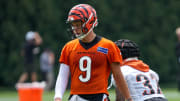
150,23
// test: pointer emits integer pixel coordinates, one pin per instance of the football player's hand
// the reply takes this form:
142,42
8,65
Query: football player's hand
57,99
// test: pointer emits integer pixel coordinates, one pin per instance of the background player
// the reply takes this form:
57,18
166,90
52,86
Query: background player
46,66
33,40
142,81
89,59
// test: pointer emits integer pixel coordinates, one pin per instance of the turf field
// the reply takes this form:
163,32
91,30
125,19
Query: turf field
11,95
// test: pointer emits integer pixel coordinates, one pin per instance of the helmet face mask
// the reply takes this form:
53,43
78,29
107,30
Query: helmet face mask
76,28
85,14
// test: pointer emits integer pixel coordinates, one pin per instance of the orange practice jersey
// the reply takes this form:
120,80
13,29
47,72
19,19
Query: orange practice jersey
90,68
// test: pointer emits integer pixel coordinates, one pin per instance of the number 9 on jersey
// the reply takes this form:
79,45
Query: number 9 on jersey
86,69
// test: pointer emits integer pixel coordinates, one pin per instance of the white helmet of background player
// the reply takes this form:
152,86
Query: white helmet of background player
30,35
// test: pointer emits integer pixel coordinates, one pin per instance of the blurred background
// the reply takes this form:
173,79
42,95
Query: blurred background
150,23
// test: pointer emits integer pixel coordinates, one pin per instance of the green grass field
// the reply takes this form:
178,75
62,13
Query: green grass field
11,95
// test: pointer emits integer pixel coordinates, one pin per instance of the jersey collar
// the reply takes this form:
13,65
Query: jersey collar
91,44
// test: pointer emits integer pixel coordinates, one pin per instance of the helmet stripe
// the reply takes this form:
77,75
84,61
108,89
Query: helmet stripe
80,12
85,10
92,12
75,15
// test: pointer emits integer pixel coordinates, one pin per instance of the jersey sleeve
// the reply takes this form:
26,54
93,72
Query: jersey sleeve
64,55
114,54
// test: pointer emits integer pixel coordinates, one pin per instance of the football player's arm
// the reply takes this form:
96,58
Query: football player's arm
38,39
62,81
120,82
119,96
51,58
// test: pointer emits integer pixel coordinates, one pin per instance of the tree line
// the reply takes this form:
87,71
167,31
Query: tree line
150,23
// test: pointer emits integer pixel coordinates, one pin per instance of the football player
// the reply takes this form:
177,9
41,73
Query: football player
33,41
142,81
89,60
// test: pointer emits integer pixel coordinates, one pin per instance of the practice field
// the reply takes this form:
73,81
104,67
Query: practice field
9,95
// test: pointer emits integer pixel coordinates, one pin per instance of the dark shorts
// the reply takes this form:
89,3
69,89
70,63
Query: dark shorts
156,99
29,68
92,97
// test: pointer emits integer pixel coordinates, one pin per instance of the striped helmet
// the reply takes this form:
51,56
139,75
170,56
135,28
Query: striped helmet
87,15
